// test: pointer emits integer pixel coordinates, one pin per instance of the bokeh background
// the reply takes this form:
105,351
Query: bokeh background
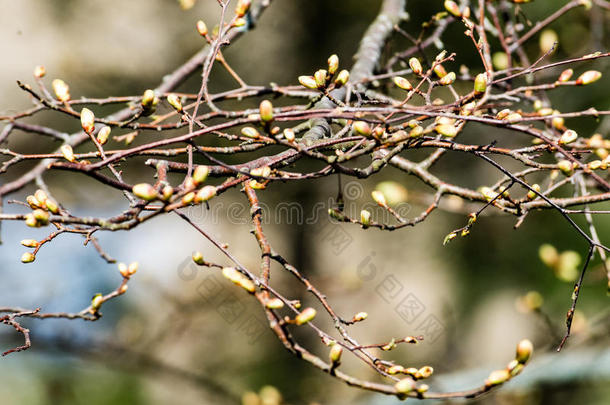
174,339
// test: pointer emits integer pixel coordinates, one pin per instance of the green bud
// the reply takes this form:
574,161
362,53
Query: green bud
448,79
360,316
447,130
103,134
335,353
405,385
67,152
415,66
524,351
266,111
305,316
198,258
96,302
567,137
275,303
28,257
320,78
31,243
365,218
531,194
333,64
206,193
308,81
565,75
200,174
202,29
480,83
87,120
144,191
565,166
402,83
342,78
497,377
362,128
175,102
453,8
588,77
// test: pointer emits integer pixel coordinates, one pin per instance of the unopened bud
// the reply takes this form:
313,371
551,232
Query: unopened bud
335,353
266,111
202,29
250,132
415,66
360,316
305,316
333,64
96,302
31,221
103,134
395,370
242,7
565,166
41,216
148,98
514,368
524,351
41,196
497,377
595,164
144,191
565,75
31,243
39,72
205,194
447,130
379,198
362,128
439,70
132,268
567,137
405,385
61,89
67,152
188,198
480,83
308,81
289,134
416,132
175,102
402,83
342,78
425,372
588,77
87,120
124,270
320,78
167,192
200,174
365,218
453,8
28,257
448,79
275,303
534,192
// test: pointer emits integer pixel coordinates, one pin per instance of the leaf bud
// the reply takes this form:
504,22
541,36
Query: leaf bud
144,191
67,152
61,89
39,72
362,128
415,66
31,243
200,174
320,78
202,29
448,79
309,82
565,75
405,385
524,351
175,102
567,137
335,353
28,257
453,8
333,64
497,377
365,218
103,134
305,316
274,303
205,194
532,194
402,83
342,78
480,83
588,77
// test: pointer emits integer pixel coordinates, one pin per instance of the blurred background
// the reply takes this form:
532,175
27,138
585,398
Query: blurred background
182,334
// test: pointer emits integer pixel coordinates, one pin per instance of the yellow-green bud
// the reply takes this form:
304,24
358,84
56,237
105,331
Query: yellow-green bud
402,83
167,192
567,137
31,221
595,164
514,368
305,316
41,216
362,128
365,218
61,89
308,81
205,194
67,152
144,191
416,132
202,29
28,257
379,198
440,70
342,78
96,302
250,132
524,351
405,385
588,77
124,270
275,303
425,372
31,243
87,120
447,130
565,166
497,377
360,316
532,194
415,66
335,353
175,102
198,258
565,75
200,174
266,111
480,83
148,98
448,79
453,8
320,77
395,370
103,134
333,64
